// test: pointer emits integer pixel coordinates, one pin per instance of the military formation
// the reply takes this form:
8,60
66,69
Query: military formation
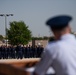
20,52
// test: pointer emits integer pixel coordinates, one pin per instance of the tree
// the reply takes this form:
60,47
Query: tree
51,39
1,38
45,37
18,33
37,38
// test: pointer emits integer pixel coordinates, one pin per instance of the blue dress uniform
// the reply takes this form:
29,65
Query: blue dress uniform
6,53
17,52
60,54
25,52
9,52
3,52
28,52
20,55
42,49
35,52
32,51
13,52
0,55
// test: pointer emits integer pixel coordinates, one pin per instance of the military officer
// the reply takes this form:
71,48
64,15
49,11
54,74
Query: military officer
61,53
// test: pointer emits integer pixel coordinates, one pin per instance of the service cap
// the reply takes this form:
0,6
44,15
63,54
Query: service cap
58,22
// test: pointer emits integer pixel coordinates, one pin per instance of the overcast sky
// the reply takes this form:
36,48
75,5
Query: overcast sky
35,13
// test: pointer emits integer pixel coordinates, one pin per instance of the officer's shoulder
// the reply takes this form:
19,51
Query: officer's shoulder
52,49
54,45
51,45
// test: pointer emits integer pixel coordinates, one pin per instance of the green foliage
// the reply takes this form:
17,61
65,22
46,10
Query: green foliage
40,38
1,38
45,38
51,39
37,38
18,33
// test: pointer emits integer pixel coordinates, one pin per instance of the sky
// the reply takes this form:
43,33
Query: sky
35,13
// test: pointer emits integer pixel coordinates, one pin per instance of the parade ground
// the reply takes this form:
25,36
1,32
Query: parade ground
20,62
10,61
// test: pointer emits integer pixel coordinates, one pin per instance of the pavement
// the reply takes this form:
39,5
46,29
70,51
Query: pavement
21,63
11,61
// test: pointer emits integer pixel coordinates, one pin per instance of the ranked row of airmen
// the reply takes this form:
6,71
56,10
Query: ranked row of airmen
19,52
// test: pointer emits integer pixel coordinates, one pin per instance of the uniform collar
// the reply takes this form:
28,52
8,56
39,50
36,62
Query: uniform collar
67,36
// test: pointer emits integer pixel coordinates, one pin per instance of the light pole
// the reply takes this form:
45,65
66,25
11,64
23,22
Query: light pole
6,15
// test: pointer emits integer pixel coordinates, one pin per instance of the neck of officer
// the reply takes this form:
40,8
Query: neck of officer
60,33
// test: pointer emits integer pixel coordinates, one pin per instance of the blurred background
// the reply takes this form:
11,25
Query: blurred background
23,32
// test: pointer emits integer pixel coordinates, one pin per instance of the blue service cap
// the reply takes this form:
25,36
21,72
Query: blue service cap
58,22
